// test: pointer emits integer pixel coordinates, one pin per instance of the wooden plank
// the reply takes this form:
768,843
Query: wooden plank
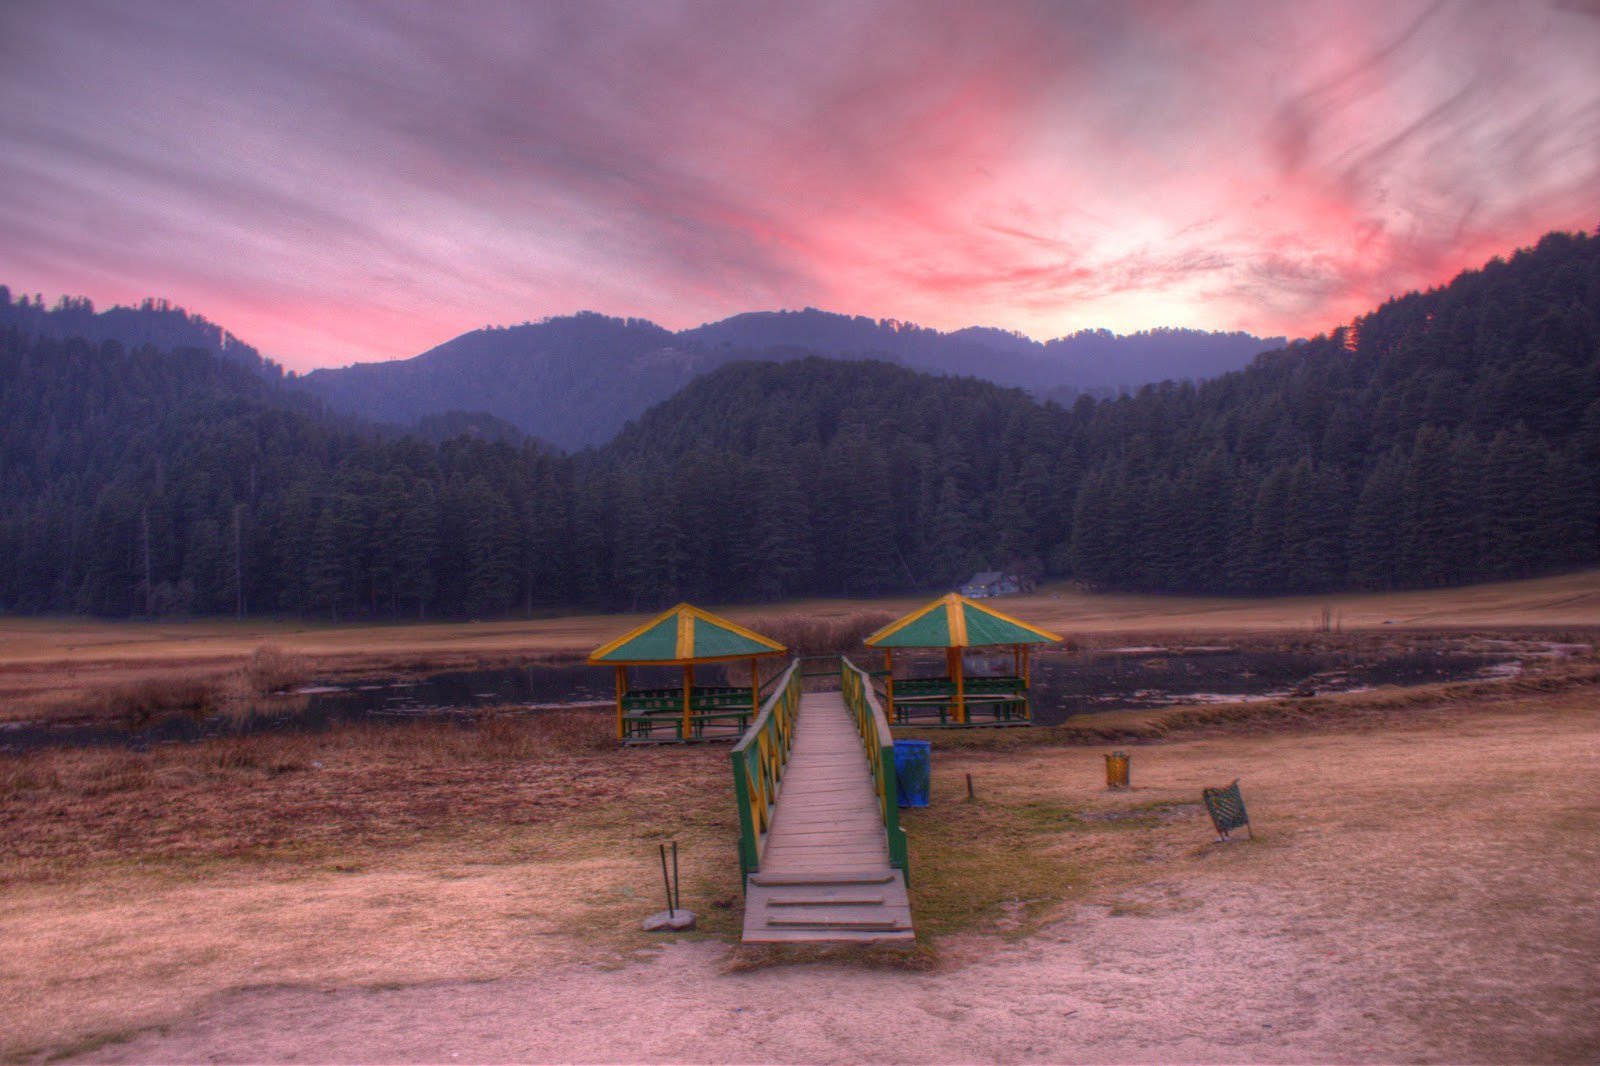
872,876
818,840
825,831
835,919
816,900
849,823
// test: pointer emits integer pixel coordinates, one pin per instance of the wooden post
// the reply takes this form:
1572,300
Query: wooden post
1027,698
958,673
888,680
755,687
622,690
688,698
1016,660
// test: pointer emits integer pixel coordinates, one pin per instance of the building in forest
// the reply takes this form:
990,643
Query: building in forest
987,583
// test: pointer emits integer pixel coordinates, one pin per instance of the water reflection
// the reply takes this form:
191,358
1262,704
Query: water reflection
1064,685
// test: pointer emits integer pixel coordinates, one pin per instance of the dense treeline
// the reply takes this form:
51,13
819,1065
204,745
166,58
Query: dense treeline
1446,437
152,322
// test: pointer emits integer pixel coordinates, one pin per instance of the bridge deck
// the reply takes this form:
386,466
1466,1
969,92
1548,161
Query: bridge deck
825,873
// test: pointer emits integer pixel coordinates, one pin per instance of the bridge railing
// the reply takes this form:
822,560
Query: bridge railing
758,762
873,727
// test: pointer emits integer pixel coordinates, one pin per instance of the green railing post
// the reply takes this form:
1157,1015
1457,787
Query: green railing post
749,857
758,762
878,741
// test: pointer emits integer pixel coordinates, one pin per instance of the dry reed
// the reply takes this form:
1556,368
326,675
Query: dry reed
271,669
822,636
173,693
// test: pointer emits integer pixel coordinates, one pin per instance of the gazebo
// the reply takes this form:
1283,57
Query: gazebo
955,624
686,636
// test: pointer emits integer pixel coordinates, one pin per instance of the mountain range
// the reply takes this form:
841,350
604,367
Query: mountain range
576,380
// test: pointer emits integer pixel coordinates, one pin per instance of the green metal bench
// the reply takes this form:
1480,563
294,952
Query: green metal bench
643,710
991,699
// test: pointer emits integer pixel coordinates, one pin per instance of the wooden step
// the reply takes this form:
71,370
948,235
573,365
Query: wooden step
829,936
821,901
838,922
823,877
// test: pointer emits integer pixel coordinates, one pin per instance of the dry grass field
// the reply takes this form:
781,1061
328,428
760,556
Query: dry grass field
56,667
1421,888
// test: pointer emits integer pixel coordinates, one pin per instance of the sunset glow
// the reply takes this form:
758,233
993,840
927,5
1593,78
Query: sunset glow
350,182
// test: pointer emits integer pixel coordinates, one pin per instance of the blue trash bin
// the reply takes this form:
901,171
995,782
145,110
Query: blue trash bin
912,772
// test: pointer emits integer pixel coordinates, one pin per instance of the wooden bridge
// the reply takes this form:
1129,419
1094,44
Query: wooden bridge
821,848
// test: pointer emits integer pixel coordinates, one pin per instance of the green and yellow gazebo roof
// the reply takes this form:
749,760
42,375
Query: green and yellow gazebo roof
685,634
954,621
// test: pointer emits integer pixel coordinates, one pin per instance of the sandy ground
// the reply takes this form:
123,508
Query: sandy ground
1421,893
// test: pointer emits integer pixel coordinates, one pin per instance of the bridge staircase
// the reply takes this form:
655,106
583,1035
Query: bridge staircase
822,851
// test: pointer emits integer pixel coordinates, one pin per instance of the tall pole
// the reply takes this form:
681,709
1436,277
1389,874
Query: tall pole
888,680
688,698
622,690
1027,699
957,670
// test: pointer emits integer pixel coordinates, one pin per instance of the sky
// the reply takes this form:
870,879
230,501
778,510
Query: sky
338,182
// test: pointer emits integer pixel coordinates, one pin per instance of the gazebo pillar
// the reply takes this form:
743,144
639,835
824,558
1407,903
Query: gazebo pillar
622,690
755,687
688,698
958,671
888,680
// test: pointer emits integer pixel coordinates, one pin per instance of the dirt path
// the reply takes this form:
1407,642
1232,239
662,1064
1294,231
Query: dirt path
1423,894
1102,988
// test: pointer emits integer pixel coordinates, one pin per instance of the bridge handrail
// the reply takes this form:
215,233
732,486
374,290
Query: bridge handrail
758,762
862,702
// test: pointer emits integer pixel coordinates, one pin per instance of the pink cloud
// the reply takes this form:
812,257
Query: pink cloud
341,182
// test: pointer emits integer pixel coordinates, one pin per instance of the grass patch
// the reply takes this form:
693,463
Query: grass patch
988,865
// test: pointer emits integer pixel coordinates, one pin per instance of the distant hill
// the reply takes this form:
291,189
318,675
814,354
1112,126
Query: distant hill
576,380
1088,360
573,380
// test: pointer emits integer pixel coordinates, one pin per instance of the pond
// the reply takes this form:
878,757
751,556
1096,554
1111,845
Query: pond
1066,685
